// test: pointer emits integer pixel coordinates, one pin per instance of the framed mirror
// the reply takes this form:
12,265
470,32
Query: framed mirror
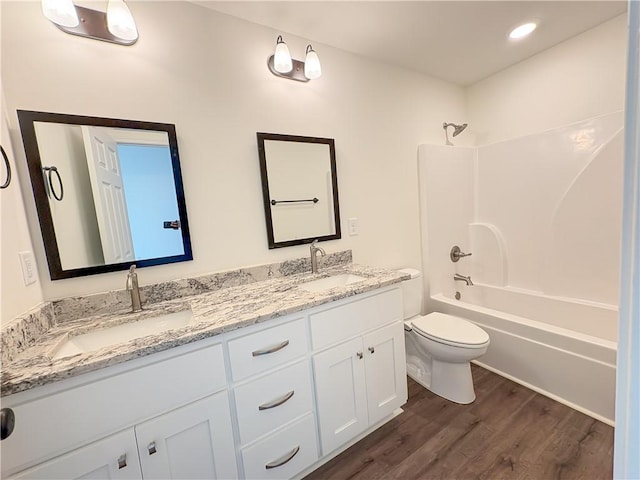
299,189
108,192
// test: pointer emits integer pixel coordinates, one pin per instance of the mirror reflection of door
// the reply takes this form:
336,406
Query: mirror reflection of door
123,194
109,198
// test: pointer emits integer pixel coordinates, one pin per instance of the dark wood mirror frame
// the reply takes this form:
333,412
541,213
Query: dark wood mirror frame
267,197
27,121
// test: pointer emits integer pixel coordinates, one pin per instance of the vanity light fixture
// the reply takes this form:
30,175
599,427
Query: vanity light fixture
116,25
282,65
312,69
523,30
282,61
60,12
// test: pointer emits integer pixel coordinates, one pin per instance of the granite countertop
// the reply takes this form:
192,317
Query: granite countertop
214,313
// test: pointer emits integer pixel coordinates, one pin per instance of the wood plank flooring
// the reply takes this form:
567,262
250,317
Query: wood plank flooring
509,432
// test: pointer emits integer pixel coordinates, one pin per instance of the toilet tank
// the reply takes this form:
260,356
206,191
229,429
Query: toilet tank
412,293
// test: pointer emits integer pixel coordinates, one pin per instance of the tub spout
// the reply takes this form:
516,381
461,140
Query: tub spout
461,278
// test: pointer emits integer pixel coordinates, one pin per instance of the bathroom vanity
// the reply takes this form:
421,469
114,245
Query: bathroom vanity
269,380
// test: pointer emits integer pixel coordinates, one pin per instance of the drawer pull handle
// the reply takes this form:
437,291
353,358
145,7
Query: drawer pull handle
359,354
372,349
277,402
273,349
7,422
122,461
282,460
152,448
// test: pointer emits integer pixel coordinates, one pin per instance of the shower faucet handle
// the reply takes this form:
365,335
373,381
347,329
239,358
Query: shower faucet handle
456,254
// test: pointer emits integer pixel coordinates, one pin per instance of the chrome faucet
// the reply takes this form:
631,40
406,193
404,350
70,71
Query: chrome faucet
461,278
132,287
314,259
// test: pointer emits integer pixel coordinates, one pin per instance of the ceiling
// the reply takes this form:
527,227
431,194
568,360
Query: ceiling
458,41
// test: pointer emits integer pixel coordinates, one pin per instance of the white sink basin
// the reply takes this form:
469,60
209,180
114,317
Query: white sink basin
103,337
331,282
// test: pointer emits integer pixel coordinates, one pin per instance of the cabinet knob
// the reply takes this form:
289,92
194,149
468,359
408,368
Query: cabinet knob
372,349
152,448
7,422
359,354
122,461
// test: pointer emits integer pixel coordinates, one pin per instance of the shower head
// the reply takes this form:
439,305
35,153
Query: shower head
457,130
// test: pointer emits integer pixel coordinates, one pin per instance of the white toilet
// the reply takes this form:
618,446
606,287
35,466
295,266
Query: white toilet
440,346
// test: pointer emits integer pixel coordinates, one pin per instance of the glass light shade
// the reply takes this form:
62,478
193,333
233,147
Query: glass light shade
120,21
282,58
61,12
522,31
312,69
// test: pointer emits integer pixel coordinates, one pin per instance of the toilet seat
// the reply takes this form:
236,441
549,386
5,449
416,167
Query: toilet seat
450,330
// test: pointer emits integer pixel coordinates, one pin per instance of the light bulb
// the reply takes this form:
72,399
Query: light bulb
120,21
61,12
522,31
282,58
312,69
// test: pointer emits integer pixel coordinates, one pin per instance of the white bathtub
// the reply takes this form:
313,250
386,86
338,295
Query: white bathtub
560,347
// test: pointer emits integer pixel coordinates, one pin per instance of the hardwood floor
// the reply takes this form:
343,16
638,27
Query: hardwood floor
509,432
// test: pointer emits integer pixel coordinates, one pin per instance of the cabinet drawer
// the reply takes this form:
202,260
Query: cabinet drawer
283,454
345,321
273,400
57,423
266,349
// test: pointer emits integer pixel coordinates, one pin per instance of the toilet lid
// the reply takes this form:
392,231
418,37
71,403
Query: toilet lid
444,328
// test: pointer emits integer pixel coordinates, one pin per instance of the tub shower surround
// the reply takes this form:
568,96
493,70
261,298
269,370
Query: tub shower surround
549,305
25,330
215,312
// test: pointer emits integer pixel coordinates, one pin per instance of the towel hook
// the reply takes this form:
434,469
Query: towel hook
8,165
48,170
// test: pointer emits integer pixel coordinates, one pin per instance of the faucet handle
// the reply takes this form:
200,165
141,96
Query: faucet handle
456,254
130,275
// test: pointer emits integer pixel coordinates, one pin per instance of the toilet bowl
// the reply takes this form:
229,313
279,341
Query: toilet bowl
440,347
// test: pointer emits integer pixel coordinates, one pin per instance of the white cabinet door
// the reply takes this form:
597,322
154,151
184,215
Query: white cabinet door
386,370
195,441
113,457
341,393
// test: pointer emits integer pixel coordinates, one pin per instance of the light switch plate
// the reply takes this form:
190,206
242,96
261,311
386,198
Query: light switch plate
29,270
353,226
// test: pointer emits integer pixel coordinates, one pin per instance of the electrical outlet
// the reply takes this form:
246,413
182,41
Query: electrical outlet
29,270
353,226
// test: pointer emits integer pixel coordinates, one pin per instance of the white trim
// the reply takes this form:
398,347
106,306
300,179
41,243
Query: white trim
627,434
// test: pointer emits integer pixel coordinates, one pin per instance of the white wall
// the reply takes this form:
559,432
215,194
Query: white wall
207,73
15,297
580,78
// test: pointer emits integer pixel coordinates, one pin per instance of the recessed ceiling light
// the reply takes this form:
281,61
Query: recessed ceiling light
522,30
